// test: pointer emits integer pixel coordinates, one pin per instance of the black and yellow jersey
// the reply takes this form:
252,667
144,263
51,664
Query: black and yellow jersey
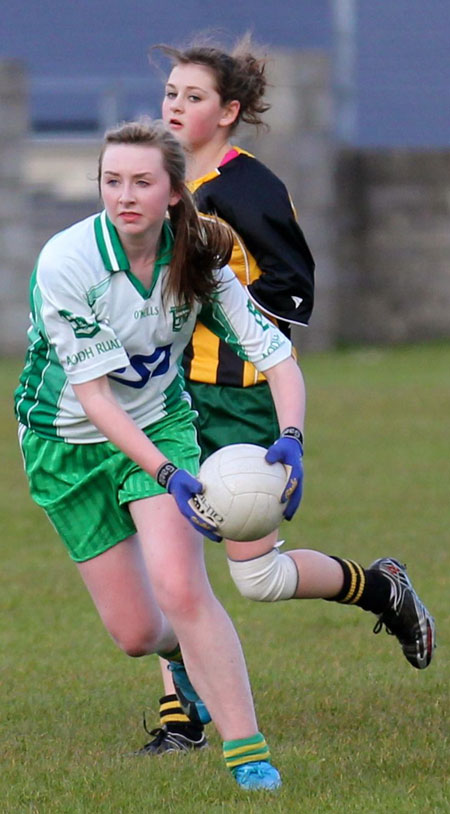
270,257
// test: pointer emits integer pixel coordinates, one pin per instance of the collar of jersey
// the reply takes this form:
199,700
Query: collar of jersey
197,182
113,253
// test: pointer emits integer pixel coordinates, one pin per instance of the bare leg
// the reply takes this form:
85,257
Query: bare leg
169,688
321,577
315,575
252,549
211,648
119,586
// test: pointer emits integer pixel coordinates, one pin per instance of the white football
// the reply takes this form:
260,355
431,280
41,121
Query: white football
242,492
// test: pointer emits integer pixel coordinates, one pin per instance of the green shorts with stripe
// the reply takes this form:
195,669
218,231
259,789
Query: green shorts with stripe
233,415
85,488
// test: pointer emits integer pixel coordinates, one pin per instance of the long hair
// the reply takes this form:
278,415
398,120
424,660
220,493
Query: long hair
200,245
238,73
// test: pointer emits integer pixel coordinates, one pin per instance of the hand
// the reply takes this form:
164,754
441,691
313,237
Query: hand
288,450
185,489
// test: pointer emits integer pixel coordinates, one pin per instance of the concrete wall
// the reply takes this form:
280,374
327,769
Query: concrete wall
377,221
61,186
394,246
15,238
299,148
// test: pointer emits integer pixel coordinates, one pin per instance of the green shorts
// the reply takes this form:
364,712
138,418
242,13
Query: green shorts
85,488
233,415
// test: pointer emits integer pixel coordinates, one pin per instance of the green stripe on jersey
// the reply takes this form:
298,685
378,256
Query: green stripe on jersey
41,386
109,245
214,317
43,379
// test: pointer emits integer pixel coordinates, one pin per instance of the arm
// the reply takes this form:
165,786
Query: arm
102,409
288,392
233,317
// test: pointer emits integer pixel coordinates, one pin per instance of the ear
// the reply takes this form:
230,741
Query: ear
174,198
230,113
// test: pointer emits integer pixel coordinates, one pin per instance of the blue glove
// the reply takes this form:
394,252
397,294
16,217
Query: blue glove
288,450
185,489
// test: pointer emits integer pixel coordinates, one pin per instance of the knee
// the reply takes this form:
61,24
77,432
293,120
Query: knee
136,649
136,642
268,578
180,598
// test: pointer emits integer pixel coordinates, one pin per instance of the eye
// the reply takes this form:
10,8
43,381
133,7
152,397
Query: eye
194,98
142,183
111,182
170,94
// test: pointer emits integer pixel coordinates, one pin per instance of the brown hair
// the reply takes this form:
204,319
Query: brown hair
200,245
238,74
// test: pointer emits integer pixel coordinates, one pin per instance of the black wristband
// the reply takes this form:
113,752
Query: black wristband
293,432
164,473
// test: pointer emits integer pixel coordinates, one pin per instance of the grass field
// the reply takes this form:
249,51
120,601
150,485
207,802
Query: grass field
352,727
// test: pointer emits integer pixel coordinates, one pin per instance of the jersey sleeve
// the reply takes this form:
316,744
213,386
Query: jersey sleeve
257,205
62,314
234,318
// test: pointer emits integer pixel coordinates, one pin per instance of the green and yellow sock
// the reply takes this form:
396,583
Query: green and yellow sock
174,655
245,750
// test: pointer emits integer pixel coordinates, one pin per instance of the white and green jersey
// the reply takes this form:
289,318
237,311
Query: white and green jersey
91,317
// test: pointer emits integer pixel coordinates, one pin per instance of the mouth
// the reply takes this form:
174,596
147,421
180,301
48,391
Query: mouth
175,123
129,217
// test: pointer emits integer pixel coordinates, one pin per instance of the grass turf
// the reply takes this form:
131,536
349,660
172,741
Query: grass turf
352,727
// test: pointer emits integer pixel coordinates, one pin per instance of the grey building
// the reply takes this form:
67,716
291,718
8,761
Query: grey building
87,60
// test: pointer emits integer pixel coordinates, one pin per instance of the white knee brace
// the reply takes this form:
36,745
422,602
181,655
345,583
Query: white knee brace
268,578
